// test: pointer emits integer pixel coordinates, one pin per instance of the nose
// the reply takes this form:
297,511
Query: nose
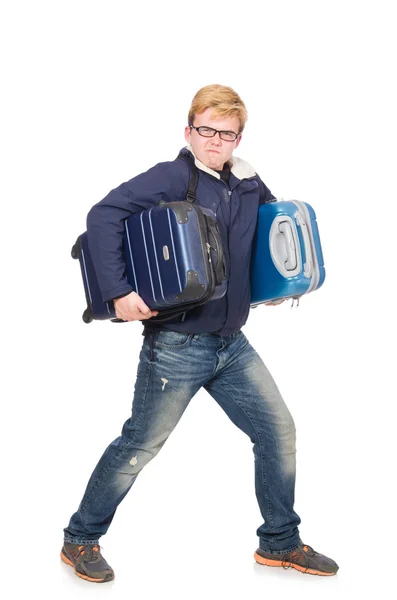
216,140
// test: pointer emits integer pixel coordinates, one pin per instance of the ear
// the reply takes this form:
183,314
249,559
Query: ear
238,140
187,134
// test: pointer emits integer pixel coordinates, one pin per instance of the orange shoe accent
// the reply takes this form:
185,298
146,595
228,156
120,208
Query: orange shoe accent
68,562
279,563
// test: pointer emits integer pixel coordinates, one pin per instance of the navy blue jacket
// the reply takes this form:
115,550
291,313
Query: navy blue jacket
236,209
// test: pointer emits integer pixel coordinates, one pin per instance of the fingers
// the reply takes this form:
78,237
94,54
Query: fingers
132,308
151,313
274,303
136,315
142,307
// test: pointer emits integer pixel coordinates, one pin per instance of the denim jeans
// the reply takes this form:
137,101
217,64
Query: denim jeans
172,368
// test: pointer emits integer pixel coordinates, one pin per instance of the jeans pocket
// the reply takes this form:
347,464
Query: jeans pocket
173,339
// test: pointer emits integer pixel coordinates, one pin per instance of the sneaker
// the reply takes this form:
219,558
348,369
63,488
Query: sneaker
87,561
303,558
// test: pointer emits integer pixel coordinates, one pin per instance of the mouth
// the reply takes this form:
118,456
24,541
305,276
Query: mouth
215,151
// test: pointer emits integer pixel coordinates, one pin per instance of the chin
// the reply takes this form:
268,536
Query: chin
215,166
215,158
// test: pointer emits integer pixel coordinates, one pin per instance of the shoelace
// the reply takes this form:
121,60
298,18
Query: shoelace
89,552
305,550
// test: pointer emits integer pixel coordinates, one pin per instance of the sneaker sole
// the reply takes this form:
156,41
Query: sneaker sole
92,579
278,563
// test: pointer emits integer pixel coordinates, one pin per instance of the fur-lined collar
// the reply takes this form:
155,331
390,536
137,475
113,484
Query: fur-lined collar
238,166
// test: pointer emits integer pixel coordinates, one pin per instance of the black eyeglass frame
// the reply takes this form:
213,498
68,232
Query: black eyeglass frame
215,132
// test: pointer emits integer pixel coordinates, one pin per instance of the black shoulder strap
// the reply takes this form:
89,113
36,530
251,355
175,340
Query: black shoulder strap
191,193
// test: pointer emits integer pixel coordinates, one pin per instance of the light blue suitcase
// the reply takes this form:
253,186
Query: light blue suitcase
287,260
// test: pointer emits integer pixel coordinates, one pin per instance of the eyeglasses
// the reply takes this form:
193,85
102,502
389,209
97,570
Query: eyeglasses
209,132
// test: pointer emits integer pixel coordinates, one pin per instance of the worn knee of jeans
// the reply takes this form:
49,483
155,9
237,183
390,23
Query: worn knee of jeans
287,434
131,459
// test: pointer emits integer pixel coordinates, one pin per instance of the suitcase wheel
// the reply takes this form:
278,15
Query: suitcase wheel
74,252
87,316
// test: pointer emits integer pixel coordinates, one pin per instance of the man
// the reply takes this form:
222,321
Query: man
203,348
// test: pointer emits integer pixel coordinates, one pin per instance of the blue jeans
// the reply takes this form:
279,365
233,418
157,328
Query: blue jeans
172,368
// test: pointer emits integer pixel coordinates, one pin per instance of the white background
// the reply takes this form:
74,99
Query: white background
94,93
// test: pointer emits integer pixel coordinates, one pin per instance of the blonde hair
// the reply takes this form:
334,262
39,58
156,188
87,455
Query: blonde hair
223,100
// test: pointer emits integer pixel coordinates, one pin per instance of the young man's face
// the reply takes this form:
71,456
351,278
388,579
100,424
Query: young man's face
213,151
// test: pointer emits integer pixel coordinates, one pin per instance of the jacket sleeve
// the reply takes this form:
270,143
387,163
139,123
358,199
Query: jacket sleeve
265,194
105,221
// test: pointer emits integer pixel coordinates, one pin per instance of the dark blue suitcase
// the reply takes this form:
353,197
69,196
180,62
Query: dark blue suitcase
287,260
174,261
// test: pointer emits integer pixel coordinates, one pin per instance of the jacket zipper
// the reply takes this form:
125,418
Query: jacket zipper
227,195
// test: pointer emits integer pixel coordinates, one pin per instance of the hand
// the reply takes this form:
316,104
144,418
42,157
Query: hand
275,302
133,308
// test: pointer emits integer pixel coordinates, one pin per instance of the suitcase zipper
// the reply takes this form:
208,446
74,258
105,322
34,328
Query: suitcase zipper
209,272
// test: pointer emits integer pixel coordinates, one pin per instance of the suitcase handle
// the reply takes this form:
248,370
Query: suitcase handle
285,228
285,247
